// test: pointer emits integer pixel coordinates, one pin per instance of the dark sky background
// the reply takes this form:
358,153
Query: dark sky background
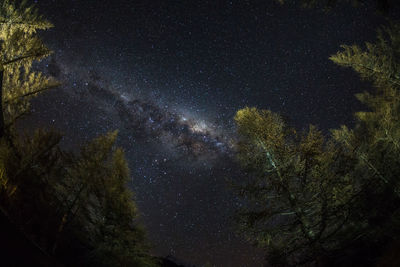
170,75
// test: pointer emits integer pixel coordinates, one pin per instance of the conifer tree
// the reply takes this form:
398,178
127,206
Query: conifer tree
375,141
295,199
308,196
75,207
19,48
379,62
31,169
100,207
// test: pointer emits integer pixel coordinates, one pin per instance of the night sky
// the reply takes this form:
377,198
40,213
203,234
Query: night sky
170,75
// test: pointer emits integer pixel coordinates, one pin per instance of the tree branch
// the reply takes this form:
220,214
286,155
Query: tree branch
31,93
25,57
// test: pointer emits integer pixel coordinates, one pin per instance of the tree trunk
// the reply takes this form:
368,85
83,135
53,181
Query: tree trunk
1,105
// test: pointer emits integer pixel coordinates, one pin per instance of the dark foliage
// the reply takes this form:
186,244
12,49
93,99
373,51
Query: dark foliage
57,207
329,201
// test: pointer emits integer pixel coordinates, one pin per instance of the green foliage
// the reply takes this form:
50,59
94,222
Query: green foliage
101,207
310,196
375,139
23,17
19,48
379,127
296,200
75,207
379,62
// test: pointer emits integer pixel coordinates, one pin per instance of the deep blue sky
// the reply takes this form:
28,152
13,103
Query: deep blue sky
190,65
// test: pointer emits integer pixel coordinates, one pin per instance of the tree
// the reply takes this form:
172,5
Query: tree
99,208
19,48
379,127
31,169
77,208
375,141
379,62
310,197
295,200
66,205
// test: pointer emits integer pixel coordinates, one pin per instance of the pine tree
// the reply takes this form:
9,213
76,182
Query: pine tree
19,48
375,141
99,208
379,127
336,197
75,207
295,199
31,170
379,62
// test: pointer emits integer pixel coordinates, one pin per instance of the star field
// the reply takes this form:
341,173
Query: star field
170,75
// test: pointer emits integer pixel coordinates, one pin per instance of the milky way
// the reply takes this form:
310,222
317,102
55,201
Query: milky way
179,133
179,160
